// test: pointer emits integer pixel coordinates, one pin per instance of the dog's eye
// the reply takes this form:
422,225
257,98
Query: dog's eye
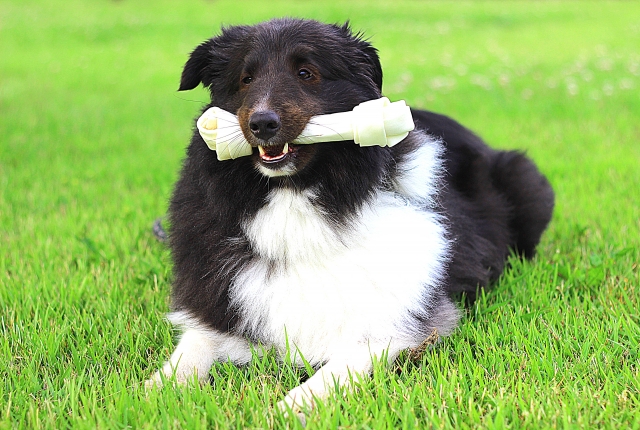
247,80
305,74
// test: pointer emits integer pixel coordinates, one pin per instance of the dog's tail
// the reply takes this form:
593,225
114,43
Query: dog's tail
158,231
530,196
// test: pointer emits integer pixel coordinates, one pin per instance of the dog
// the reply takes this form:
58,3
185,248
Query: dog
332,254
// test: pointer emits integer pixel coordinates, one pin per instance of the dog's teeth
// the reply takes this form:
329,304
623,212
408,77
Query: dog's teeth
285,150
261,150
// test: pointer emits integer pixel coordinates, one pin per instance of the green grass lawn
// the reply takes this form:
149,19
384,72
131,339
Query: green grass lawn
92,132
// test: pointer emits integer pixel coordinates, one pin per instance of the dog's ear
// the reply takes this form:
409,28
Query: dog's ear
210,61
374,62
195,68
370,53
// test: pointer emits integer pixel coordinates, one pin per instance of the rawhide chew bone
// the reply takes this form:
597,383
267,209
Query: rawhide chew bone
374,122
221,132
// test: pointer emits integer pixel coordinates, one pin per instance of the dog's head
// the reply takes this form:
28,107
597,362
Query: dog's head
276,75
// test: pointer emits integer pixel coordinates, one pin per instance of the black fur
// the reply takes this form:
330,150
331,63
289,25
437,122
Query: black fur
494,201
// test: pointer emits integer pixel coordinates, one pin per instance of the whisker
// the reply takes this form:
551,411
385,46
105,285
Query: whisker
328,128
203,102
309,139
236,144
230,126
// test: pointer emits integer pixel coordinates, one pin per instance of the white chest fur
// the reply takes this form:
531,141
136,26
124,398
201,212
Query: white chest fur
320,290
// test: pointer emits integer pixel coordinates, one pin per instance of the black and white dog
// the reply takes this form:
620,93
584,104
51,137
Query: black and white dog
331,253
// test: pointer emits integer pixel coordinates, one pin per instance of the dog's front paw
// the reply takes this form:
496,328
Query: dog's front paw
167,376
295,402
154,382
300,400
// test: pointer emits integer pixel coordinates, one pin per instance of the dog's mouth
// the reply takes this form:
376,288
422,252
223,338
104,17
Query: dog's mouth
273,154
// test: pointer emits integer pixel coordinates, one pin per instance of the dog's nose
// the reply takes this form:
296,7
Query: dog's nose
265,124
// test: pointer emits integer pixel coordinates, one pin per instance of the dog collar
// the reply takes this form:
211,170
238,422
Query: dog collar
372,123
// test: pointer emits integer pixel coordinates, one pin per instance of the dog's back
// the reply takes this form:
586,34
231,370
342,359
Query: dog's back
500,197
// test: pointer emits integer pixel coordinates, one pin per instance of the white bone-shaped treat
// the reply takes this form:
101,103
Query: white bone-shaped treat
374,122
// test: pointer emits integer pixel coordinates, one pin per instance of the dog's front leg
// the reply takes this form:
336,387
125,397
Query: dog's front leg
340,371
193,356
196,352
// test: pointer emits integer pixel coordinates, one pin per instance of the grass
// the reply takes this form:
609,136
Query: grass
91,137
